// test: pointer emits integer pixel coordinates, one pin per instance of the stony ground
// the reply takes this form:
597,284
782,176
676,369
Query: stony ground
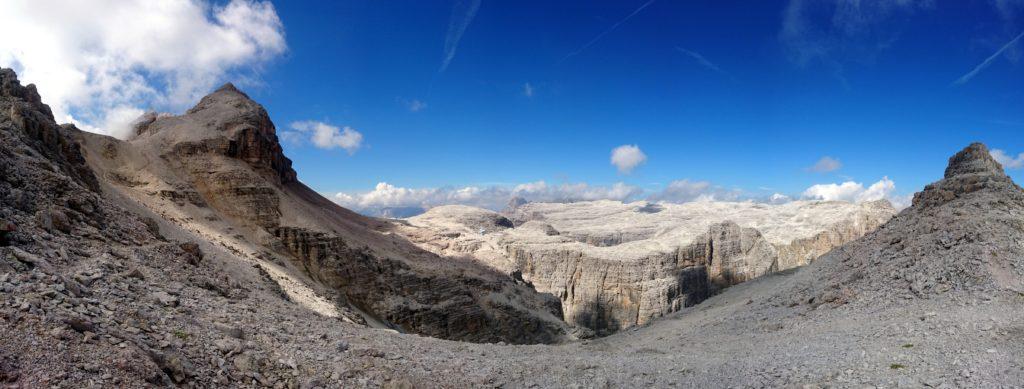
736,339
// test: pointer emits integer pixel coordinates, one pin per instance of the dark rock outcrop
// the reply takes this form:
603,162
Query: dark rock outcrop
45,183
441,304
35,121
970,170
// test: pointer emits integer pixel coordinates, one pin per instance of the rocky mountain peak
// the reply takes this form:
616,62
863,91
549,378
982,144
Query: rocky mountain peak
227,99
10,87
973,159
970,170
226,122
229,87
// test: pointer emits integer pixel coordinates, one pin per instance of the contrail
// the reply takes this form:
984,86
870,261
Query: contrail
702,61
601,35
462,15
988,61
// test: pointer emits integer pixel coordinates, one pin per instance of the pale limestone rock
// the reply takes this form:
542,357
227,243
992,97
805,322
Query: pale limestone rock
615,265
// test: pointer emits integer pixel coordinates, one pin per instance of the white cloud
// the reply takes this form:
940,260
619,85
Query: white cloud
326,136
627,157
855,192
541,191
682,191
416,106
96,61
494,197
779,198
1008,161
384,198
385,195
826,164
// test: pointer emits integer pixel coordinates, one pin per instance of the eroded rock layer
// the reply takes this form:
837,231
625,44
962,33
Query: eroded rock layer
616,265
446,306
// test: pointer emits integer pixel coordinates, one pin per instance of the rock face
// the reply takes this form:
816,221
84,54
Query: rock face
962,233
616,265
26,112
228,122
972,169
219,168
449,306
730,254
45,180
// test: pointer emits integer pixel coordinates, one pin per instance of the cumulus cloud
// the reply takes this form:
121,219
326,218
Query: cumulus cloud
325,136
386,195
826,164
779,198
541,191
1008,161
627,157
856,192
96,62
389,200
682,191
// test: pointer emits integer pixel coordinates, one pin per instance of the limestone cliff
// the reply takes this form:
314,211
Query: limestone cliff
616,265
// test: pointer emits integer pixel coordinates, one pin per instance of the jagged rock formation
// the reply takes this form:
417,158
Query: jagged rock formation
46,182
219,167
963,232
617,265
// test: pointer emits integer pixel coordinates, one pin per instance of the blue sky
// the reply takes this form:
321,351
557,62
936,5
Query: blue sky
745,97
880,98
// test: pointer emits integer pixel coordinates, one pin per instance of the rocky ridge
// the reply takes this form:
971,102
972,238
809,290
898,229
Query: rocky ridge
219,168
963,233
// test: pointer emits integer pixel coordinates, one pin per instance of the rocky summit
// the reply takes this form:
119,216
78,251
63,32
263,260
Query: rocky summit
192,255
